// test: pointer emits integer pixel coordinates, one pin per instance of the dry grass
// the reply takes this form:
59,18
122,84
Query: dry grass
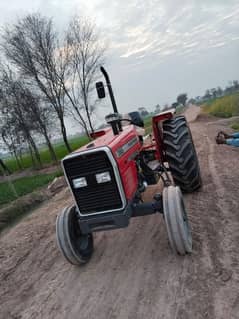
225,107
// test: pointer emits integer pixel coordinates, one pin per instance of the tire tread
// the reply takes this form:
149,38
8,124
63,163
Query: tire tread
181,155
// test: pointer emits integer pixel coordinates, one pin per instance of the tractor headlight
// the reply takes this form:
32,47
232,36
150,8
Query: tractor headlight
103,177
79,182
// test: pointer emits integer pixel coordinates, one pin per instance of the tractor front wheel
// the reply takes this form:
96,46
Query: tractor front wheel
75,247
181,155
175,216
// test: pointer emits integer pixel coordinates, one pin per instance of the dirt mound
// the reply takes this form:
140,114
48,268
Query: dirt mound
21,206
226,122
191,113
204,117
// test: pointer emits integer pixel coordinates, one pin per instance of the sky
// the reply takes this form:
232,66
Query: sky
156,48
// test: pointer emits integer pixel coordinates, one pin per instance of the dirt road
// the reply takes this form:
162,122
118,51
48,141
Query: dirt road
133,273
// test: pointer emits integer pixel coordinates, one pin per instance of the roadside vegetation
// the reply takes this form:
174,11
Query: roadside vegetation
225,107
45,156
60,150
21,196
22,186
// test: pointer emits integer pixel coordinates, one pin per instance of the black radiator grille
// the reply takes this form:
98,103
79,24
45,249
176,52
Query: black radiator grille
94,197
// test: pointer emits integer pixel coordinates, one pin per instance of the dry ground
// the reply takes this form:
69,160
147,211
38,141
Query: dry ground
133,273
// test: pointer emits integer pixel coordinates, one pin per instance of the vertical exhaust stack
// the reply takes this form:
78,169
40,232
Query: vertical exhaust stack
107,79
112,119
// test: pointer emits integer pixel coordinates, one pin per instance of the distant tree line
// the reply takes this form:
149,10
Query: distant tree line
143,111
44,77
232,87
182,99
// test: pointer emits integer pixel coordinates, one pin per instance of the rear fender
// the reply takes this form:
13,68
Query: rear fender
157,130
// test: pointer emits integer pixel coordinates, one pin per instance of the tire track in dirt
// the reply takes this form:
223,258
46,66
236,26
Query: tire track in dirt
227,207
213,271
219,218
196,298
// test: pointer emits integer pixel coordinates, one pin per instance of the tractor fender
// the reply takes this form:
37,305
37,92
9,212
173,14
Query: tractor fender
157,129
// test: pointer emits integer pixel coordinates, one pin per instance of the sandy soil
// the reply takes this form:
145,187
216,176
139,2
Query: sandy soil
133,273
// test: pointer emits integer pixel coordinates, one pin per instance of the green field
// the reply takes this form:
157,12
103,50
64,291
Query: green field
60,150
23,186
226,106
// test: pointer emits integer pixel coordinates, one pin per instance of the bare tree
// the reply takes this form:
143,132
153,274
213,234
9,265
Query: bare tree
11,141
31,45
182,98
14,114
39,113
85,53
70,86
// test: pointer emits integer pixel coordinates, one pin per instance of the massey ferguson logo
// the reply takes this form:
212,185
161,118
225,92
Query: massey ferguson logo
123,149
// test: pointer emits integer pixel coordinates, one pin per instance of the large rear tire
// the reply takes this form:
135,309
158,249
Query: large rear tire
175,216
74,246
181,155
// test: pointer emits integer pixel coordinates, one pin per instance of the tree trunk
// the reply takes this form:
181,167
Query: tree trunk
50,147
20,155
32,157
63,132
88,116
10,148
36,152
87,108
90,123
86,104
82,122
19,165
4,167
51,150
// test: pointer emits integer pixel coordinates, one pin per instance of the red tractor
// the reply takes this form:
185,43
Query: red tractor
108,176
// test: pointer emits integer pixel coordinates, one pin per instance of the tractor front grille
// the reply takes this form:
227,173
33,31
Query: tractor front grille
93,198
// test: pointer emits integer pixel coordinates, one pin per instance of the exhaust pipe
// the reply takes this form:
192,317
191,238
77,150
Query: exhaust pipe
107,79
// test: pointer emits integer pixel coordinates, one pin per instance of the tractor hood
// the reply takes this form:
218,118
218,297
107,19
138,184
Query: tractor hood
114,142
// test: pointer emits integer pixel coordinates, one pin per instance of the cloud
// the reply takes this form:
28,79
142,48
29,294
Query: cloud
151,28
157,48
163,28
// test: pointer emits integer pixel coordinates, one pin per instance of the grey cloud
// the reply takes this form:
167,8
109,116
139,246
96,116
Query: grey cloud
157,47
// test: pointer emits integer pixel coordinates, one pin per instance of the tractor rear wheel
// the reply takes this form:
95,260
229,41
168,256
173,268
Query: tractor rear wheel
175,216
181,155
75,247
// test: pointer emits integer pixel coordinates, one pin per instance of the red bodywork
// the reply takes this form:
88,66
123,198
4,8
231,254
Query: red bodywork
157,130
128,139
